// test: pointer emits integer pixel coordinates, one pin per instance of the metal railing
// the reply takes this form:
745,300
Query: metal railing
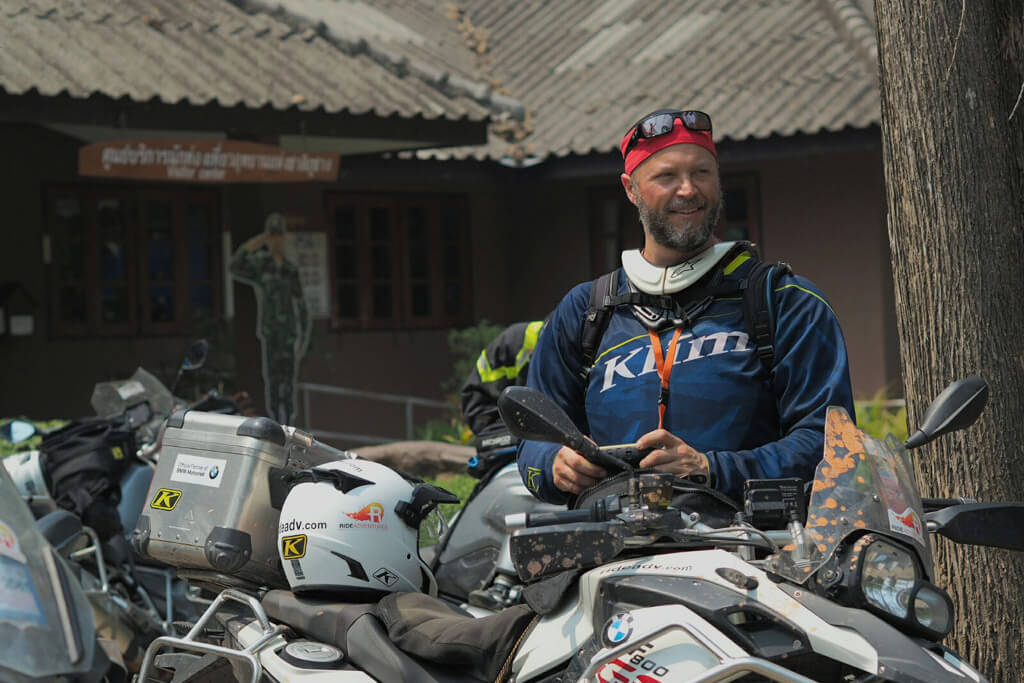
887,403
306,389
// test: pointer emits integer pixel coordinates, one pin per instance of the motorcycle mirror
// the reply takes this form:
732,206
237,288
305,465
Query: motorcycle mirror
194,359
529,414
196,356
957,407
545,550
139,414
17,431
990,524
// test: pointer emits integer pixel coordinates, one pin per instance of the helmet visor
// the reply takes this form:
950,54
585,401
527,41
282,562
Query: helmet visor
432,529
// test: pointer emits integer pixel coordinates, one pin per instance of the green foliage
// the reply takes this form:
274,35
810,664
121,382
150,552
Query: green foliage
459,484
7,448
878,419
451,430
465,346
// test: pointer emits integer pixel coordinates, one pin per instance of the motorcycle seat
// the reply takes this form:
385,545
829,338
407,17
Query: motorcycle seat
355,629
434,631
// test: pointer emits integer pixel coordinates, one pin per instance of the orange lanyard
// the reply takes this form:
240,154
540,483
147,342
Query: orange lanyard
664,366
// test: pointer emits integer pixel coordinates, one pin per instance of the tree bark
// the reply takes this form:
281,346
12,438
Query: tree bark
951,71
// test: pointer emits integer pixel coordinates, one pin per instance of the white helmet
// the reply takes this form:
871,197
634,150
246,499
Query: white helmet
353,526
28,472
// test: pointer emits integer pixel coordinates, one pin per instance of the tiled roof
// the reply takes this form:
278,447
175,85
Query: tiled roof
583,69
204,52
586,69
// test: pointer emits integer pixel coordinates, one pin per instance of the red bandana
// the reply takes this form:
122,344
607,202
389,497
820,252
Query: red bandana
680,134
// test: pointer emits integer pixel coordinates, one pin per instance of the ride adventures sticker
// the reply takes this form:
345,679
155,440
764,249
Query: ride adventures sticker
9,545
194,469
369,517
907,523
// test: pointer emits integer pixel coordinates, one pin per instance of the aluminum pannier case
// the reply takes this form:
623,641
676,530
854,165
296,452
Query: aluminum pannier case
216,496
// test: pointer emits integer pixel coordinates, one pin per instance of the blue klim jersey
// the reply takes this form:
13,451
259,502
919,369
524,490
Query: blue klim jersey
720,401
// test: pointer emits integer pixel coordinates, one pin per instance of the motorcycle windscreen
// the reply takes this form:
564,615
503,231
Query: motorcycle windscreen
45,621
861,484
110,399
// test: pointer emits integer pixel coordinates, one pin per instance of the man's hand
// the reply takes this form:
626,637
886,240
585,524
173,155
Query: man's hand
573,473
672,454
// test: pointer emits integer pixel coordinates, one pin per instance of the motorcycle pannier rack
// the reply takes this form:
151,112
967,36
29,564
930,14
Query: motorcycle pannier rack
215,501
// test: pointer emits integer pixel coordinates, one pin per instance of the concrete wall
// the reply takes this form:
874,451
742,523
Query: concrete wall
42,376
825,216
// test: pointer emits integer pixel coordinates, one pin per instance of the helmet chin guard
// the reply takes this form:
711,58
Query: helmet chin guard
658,280
351,527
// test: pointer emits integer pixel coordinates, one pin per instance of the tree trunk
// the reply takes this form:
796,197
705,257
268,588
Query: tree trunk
951,72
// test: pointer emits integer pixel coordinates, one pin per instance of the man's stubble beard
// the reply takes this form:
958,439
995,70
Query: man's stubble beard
689,238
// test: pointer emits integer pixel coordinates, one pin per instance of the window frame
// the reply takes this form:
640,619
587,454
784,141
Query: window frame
136,281
401,279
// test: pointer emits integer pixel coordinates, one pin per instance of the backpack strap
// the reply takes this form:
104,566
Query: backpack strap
758,312
595,322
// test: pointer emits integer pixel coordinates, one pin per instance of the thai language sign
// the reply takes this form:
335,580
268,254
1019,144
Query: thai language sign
205,161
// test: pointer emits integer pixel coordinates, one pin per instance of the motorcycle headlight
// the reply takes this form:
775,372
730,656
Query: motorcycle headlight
893,587
889,578
933,609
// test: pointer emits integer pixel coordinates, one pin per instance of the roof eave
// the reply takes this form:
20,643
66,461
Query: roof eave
239,120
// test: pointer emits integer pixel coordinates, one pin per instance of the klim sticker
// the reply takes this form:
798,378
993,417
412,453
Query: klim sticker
533,478
293,547
385,576
165,499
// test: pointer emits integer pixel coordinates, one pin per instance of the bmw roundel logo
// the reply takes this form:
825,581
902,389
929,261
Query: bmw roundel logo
214,471
618,629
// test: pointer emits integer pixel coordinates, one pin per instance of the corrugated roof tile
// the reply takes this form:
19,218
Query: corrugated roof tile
208,51
585,70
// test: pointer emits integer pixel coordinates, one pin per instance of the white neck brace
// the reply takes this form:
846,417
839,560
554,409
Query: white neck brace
652,279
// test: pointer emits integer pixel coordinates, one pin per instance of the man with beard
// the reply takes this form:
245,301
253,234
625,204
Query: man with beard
677,368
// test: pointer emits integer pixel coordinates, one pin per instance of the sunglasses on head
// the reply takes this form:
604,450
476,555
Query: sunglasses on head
662,121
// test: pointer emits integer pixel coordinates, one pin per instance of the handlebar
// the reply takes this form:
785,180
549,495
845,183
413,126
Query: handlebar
525,520
933,504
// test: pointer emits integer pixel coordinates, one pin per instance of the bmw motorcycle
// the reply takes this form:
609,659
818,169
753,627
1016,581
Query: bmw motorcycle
133,600
472,562
633,587
46,623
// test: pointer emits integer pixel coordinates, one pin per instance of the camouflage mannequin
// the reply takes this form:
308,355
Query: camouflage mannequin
283,323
